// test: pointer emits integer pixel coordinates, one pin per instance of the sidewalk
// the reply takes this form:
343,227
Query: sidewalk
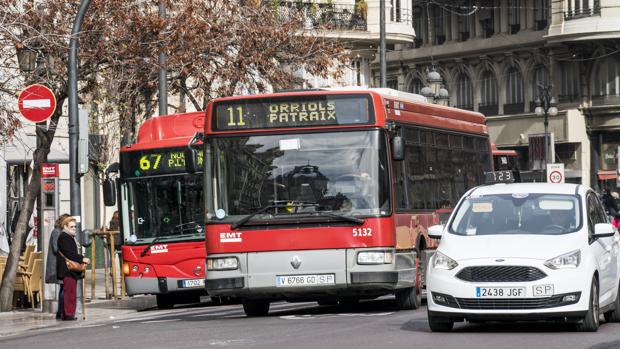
98,310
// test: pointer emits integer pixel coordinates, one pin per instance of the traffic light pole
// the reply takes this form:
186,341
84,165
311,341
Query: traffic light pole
74,176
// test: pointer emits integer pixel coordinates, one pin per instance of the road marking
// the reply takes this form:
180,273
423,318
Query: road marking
325,316
158,321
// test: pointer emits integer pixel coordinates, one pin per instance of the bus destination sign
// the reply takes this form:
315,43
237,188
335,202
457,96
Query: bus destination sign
154,162
298,111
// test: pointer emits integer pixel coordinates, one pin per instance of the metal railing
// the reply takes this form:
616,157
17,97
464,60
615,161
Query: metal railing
582,12
324,15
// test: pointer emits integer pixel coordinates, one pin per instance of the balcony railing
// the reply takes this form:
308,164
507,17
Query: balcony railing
582,12
488,110
513,108
325,15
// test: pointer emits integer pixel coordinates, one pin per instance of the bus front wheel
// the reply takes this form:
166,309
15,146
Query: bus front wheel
408,298
255,307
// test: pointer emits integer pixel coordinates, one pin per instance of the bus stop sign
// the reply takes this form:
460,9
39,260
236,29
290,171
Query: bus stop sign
36,103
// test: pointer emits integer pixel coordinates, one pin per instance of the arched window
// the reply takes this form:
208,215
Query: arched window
514,92
569,81
541,77
416,85
514,86
488,89
607,78
464,95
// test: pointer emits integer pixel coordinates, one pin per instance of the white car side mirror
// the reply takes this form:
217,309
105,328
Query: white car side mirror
603,230
435,231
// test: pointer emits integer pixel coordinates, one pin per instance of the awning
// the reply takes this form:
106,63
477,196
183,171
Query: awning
604,175
19,150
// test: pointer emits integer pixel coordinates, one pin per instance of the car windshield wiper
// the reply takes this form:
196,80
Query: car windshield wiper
263,209
340,216
153,242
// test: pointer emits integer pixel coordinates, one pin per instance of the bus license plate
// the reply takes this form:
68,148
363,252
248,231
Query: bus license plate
194,283
305,280
500,292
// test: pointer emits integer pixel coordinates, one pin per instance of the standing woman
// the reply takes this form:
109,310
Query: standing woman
69,248
50,265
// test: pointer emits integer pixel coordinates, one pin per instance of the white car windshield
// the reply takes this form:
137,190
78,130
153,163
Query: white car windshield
539,214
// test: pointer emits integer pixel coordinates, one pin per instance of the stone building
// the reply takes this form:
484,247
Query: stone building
493,55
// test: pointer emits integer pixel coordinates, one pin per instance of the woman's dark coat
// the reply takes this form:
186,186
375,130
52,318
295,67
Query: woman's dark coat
68,247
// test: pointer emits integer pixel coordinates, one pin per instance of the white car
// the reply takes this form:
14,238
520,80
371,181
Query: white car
527,251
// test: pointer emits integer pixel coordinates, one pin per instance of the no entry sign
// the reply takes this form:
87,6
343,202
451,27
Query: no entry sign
36,103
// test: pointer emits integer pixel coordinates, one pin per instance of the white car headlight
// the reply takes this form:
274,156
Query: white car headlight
441,261
375,257
565,261
225,263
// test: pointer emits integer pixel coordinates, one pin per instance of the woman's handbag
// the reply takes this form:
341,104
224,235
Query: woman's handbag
72,265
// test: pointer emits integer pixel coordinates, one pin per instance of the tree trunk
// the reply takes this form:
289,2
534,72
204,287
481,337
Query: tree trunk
34,187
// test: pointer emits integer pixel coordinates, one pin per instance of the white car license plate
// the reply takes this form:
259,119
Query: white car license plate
305,280
542,290
500,292
194,283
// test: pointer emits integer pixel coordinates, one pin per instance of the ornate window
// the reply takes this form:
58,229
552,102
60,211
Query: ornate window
514,16
488,89
464,95
569,81
514,86
607,78
416,85
541,77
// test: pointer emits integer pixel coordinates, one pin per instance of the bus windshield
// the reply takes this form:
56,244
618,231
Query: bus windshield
164,207
302,175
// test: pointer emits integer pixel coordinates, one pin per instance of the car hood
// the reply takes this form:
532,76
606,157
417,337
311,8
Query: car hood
541,247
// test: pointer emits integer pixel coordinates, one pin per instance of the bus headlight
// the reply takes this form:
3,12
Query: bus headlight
375,257
224,263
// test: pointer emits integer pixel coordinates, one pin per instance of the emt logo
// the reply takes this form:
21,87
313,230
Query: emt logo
159,248
230,237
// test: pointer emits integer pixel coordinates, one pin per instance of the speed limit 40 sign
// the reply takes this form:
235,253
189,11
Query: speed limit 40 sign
555,173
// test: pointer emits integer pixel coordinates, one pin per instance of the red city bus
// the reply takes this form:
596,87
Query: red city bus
161,212
325,195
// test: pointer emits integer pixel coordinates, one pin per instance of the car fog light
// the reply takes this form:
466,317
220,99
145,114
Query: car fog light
134,268
439,299
147,269
569,298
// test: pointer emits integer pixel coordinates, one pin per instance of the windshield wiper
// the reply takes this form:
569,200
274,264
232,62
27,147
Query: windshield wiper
263,209
153,242
340,216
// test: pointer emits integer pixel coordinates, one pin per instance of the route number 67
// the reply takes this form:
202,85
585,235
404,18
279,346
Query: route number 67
362,232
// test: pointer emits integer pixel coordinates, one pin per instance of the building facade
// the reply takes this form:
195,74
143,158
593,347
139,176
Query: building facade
492,57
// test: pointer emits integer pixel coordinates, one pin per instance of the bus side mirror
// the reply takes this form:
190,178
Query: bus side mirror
191,160
109,192
398,149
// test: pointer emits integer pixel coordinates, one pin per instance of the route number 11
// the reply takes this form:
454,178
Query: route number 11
231,113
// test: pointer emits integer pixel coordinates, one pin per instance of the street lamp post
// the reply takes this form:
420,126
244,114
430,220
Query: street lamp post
546,106
435,92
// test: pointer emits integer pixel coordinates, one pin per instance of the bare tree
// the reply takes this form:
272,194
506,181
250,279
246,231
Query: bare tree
214,48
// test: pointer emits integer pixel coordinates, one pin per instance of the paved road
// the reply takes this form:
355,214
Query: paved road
374,324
